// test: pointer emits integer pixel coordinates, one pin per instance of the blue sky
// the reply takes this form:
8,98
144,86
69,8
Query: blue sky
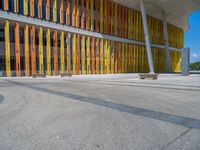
192,37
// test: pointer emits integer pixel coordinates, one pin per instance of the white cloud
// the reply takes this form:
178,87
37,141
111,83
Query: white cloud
194,55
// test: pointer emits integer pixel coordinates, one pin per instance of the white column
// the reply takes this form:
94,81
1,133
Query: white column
147,40
168,65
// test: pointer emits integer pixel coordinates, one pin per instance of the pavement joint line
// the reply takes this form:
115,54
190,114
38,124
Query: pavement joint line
170,118
171,142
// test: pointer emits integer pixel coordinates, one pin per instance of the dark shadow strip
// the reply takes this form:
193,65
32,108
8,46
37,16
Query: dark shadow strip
1,98
179,120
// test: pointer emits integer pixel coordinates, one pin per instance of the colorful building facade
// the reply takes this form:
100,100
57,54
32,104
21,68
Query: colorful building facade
81,36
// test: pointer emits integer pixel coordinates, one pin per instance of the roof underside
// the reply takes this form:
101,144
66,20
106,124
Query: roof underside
177,11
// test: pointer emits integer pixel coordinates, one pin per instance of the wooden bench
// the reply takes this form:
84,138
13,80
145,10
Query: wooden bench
66,74
153,76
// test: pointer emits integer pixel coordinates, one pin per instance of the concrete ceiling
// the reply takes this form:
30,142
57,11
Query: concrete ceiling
177,11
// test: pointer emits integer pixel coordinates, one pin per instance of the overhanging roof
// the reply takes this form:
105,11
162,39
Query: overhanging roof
177,11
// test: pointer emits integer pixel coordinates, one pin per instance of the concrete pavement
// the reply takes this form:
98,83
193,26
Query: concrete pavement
102,112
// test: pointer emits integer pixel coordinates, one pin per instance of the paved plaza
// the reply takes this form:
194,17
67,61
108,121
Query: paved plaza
100,112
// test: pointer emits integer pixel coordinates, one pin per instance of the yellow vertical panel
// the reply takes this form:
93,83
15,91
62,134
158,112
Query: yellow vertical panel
7,47
48,51
101,57
105,57
74,52
62,53
26,50
88,44
112,58
16,6
25,7
123,59
77,54
41,66
97,55
101,16
92,15
108,57
54,10
33,51
83,54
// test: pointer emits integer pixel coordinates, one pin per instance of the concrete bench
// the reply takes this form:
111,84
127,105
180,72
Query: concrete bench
148,75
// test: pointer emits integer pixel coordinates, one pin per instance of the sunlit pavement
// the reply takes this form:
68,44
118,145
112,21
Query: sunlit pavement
104,112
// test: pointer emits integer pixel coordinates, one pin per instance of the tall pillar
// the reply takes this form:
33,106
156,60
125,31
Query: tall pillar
147,40
17,49
26,50
48,51
7,47
68,54
41,63
168,66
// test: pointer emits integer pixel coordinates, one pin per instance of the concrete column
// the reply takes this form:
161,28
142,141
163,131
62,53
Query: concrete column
168,65
147,40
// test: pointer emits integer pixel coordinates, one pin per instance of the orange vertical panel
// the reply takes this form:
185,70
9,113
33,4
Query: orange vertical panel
105,16
108,17
78,54
61,12
97,56
26,50
17,50
33,51
47,9
74,13
97,15
5,5
92,55
82,14
119,20
55,52
125,22
32,12
77,13
40,9
122,20
67,12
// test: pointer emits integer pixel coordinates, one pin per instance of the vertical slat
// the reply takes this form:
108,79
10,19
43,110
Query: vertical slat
105,19
105,57
74,52
68,12
16,6
68,53
41,63
97,15
112,58
25,8
26,50
47,10
17,50
39,9
33,51
32,10
97,56
108,17
92,15
116,19
83,14
123,59
55,52
108,57
101,57
54,10
88,55
7,47
83,53
78,54
115,56
61,12
101,16
77,13
48,51
126,57
92,55
87,15
62,53
5,5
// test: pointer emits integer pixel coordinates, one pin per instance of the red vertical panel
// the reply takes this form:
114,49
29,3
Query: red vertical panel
33,51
